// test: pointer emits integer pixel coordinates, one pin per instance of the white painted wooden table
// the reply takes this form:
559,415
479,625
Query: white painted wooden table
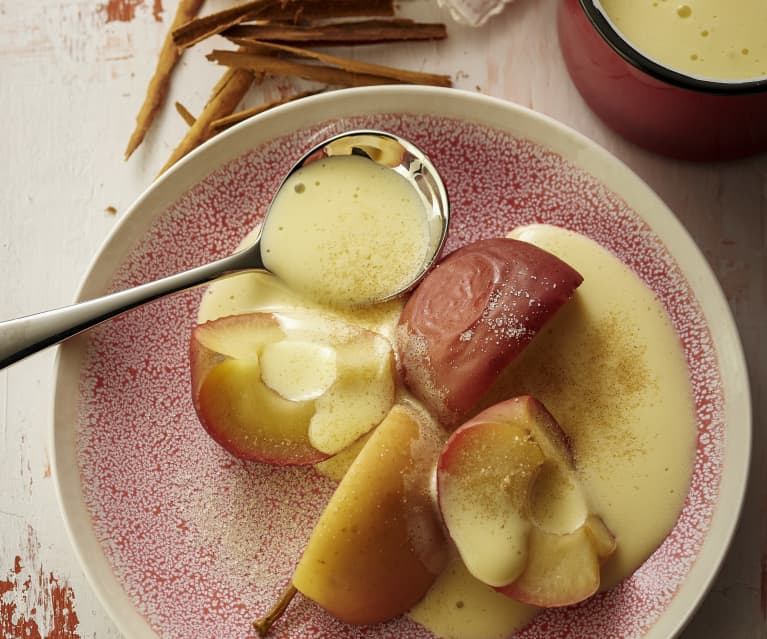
73,74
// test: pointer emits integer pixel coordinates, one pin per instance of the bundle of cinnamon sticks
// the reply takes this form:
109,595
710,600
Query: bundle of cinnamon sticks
278,38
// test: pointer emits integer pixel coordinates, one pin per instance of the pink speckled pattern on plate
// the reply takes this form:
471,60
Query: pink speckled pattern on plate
202,542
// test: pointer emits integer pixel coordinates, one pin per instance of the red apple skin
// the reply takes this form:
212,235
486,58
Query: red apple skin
224,423
472,315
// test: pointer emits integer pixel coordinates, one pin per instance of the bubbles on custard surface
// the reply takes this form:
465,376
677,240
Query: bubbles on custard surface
696,37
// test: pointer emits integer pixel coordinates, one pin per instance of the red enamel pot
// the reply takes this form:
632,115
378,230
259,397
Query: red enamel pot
653,106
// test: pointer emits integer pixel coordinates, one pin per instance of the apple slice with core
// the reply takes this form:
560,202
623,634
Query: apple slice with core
511,502
289,388
378,545
472,315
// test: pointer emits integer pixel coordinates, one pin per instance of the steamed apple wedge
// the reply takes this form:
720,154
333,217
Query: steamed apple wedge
289,388
512,503
378,546
472,315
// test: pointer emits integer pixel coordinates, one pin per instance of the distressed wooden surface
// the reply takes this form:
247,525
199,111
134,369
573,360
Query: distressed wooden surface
73,77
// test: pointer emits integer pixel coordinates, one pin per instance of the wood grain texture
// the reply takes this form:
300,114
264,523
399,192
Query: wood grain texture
73,80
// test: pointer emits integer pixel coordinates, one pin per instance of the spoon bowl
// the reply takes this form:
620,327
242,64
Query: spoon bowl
383,220
24,336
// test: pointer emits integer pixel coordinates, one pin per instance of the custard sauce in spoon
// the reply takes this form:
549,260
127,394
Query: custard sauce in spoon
346,231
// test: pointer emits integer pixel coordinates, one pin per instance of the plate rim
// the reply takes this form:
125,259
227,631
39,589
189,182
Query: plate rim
485,110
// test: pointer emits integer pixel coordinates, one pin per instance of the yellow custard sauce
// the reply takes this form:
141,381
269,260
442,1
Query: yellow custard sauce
346,231
611,370
709,39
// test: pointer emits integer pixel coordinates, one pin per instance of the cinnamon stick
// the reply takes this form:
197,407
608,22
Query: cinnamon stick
224,123
337,33
160,81
312,72
201,28
226,95
333,70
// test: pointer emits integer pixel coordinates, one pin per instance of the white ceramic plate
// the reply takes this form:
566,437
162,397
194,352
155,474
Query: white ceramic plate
179,539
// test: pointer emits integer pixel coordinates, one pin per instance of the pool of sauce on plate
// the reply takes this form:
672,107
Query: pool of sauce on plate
709,39
609,367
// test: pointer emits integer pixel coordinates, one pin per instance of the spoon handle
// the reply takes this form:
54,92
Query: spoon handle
27,335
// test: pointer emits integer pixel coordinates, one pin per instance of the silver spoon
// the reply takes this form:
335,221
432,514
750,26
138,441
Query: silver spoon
27,335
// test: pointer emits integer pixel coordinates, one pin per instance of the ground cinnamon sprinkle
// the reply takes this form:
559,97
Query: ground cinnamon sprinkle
609,378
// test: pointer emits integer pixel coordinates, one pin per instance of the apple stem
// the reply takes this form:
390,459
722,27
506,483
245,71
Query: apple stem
264,624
